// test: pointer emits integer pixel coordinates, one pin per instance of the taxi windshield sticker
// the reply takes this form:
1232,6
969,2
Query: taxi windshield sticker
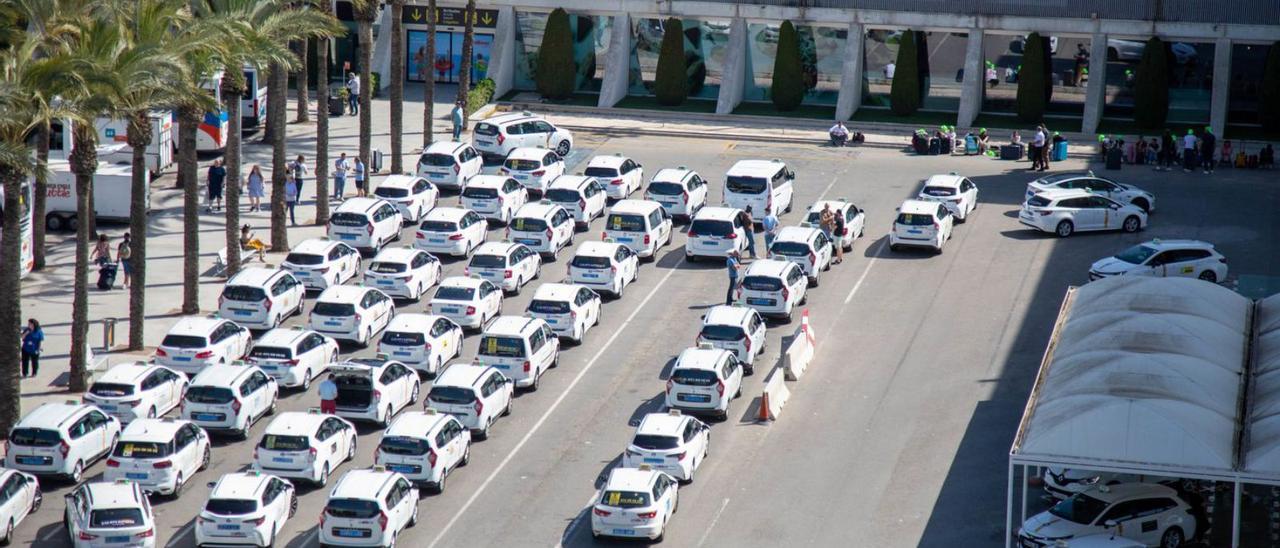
617,222
619,498
1187,269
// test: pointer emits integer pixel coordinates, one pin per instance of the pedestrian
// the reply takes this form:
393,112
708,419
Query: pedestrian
329,395
1037,150
770,225
359,171
1208,145
749,225
731,265
1189,151
257,188
101,251
291,199
217,176
837,223
827,221
1082,63
1168,149
249,243
340,168
32,339
353,93
456,116
1153,153
123,253
298,170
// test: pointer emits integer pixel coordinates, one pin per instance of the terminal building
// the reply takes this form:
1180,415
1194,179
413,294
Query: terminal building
849,47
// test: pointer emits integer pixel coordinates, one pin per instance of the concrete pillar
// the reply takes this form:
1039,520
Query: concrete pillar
972,87
382,49
850,96
1095,95
617,64
502,60
737,68
1221,86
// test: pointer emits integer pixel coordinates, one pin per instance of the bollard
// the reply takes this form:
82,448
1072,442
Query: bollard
108,333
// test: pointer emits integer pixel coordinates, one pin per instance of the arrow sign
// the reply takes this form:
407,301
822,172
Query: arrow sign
486,19
415,14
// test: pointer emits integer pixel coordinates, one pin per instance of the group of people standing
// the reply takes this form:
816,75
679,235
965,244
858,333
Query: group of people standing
255,183
1040,149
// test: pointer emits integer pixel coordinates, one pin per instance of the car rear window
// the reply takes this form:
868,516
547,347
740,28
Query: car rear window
455,293
722,332
115,518
548,307
588,261
352,508
488,130
745,185
383,267
304,259
563,196
665,189
141,450
401,445
451,395
938,191
334,309
694,377
347,218
790,249
272,442
391,192
814,218
478,193
488,261
209,394
705,227
528,224
625,222
34,437
439,160
516,164
230,507
607,172
649,441
1038,201
438,226
625,499
502,347
271,353
914,219
761,283
110,389
184,341
244,293
400,338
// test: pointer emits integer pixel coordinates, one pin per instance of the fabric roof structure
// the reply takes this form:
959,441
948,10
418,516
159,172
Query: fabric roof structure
1262,439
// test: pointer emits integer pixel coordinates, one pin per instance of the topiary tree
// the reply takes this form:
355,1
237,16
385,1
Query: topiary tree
788,75
905,91
1151,86
1031,81
671,84
1269,99
556,72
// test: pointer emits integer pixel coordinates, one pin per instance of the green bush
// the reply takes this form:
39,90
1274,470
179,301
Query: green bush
1269,101
1031,80
556,71
904,93
788,81
374,89
479,96
1151,86
671,83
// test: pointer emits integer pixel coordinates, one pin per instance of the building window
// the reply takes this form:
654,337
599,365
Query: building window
1068,74
1190,79
705,46
590,42
821,58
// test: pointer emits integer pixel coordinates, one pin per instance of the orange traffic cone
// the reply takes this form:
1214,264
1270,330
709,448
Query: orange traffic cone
764,415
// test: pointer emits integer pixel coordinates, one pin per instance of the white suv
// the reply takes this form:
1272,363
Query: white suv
365,223
451,230
305,446
533,167
681,191
773,288
704,380
195,342
261,298
425,446
320,263
496,197
717,232
469,301
351,313
230,398
61,439
497,135
1065,212
403,272
413,196
506,264
118,512
737,329
583,197
130,391
161,455
293,356
374,389
476,394
450,164
543,227
604,266
368,507
522,348
246,508
1164,259
424,342
671,442
569,309
921,224
619,174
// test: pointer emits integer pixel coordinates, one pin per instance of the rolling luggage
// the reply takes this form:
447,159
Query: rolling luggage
107,275
1011,152
1114,158
1060,151
935,146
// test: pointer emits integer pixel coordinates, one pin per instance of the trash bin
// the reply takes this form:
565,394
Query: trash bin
1060,151
108,333
336,105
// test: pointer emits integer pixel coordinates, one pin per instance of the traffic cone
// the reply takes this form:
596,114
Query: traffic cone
764,415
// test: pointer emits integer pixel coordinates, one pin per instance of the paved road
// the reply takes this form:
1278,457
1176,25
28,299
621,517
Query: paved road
896,437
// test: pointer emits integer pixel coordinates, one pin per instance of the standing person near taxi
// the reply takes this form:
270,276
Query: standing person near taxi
291,199
456,117
837,222
359,171
1208,146
340,167
731,265
328,395
750,225
1189,151
298,170
32,340
770,225
827,221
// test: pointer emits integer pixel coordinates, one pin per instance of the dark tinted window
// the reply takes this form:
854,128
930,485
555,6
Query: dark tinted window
1136,254
790,249
487,130
528,224
914,219
403,339
439,160
243,293
705,227
304,259
488,261
334,309
455,293
627,223
522,165
646,441
1038,201
549,307
141,450
346,218
606,172
400,445
352,508
503,347
587,261
1081,509
694,377
761,283
480,193
274,442
438,226
183,341
115,518
209,394
746,185
451,395
562,196
230,507
722,332
110,389
271,353
391,192
666,189
938,191
382,267
625,499
34,437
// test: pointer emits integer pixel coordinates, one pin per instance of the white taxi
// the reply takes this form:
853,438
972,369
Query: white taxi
351,313
921,224
582,196
467,301
423,342
412,195
403,272
1100,186
369,507
635,503
306,446
738,329
855,220
496,197
760,185
1065,212
497,135
506,264
261,298
571,310
374,389
956,192
20,496
61,439
704,380
774,288
450,164
807,248
109,514
246,508
451,230
619,174
133,390
521,348
533,167
320,263
476,394
604,266
681,191
641,225
670,442
230,398
543,227
1164,259
365,223
717,232
161,455
293,356
197,341
1149,513
425,446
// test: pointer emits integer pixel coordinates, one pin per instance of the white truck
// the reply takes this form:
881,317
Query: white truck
113,140
112,182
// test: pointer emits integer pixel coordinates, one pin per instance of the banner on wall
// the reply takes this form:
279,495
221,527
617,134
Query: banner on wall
418,15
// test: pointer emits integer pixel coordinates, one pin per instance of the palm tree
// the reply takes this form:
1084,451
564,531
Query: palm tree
365,13
429,92
277,82
304,102
322,121
464,75
397,84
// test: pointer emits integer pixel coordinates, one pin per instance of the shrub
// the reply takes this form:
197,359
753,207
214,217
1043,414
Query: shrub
1031,80
1269,103
671,83
1151,86
904,93
788,81
480,95
555,69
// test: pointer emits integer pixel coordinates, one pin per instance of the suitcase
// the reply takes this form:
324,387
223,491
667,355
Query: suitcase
107,275
1011,152
1241,159
336,106
935,146
1114,158
1060,151
1253,161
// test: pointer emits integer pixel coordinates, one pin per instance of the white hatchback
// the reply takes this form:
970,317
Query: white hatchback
451,230
571,310
365,223
476,394
808,248
351,313
412,195
681,191
543,227
246,508
294,356
468,301
195,342
374,389
704,380
635,503
521,348
921,224
261,298
306,446
160,455
671,442
230,398
450,164
403,272
582,196
425,446
368,507
956,192
532,167
717,232
619,174
1164,259
496,197
320,263
423,342
738,329
109,513
505,264
774,288
1065,212
20,496
135,390
61,439
604,266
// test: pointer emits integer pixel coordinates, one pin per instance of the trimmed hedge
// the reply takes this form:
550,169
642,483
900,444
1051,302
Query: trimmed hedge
556,71
480,95
788,78
1269,99
1151,86
905,91
671,83
1032,96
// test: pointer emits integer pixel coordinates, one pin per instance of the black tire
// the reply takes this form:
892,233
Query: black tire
483,433
562,149
466,456
178,484
1209,276
1131,224
293,504
306,380
1142,204
324,476
439,486
507,412
77,472
204,461
1065,229
8,534
537,380
1172,538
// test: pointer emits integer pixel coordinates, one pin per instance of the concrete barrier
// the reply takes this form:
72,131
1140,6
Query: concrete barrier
775,396
799,352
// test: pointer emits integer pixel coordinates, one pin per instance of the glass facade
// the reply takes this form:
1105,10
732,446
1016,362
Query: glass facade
821,56
880,55
942,64
1190,80
1068,73
590,43
1247,64
448,56
705,46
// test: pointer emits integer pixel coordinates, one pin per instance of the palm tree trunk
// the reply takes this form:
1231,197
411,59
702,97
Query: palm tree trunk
276,107
322,131
429,92
302,81
139,136
233,85
366,93
397,85
468,44
187,167
84,162
10,298
39,198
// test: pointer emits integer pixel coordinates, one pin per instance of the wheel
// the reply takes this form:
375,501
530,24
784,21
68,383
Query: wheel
466,456
1065,228
271,542
1142,204
293,504
77,472
39,499
275,322
519,284
507,410
439,486
178,483
351,450
433,372
537,380
324,476
243,433
306,380
413,519
1131,224
483,433
204,461
8,534
563,148
1172,538
272,410
413,396
386,419
368,335
418,295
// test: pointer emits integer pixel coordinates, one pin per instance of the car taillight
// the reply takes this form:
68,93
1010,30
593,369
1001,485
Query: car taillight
669,384
471,310
720,387
506,274
270,303
358,317
161,353
647,515
324,270
615,182
613,270
604,235
255,453
133,403
596,511
573,314
692,234
732,236
680,456
113,463
204,355
1044,212
539,173
368,227
813,259
221,300
548,233
936,226
785,294
582,204
294,361
455,237
86,536
747,343
382,520
457,169
684,195
258,521
146,534
431,457
163,464
526,366
501,138
322,513
377,395
769,203
501,200
646,239
479,407
427,347
235,406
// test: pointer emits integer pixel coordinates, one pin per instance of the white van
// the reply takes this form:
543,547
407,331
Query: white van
521,348
543,227
642,225
760,184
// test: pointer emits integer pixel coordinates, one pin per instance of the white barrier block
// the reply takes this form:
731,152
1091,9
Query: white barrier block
775,390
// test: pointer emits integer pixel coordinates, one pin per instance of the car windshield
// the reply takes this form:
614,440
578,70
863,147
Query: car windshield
1081,508
746,185
324,308
115,518
439,160
209,394
479,193
665,189
761,283
625,499
488,261
705,227
606,172
184,341
914,219
383,267
400,445
938,191
438,226
273,442
304,259
694,377
391,192
1038,201
400,338
625,222
517,164
1137,254
270,353
488,130
502,347
243,293
548,307
563,196
141,450
451,395
34,437
649,441
790,249
455,293
588,261
110,389
722,332
352,508
528,224
230,507
347,218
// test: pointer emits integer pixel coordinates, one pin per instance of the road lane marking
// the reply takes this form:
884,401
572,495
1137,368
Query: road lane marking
828,189
554,405
577,521
49,536
181,533
865,271
707,534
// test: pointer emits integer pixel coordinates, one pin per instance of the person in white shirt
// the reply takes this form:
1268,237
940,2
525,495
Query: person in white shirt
839,134
1189,151
353,93
889,69
1037,150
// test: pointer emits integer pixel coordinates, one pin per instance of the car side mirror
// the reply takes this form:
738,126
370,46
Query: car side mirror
1110,524
211,484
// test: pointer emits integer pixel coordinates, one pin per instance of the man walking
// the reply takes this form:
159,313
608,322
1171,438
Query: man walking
749,225
217,176
731,264
123,252
456,116
340,167
1208,145
298,170
353,93
328,395
770,225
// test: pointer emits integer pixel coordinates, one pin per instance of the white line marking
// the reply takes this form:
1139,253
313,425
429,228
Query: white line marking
181,533
554,405
865,271
49,536
573,527
828,189
714,519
